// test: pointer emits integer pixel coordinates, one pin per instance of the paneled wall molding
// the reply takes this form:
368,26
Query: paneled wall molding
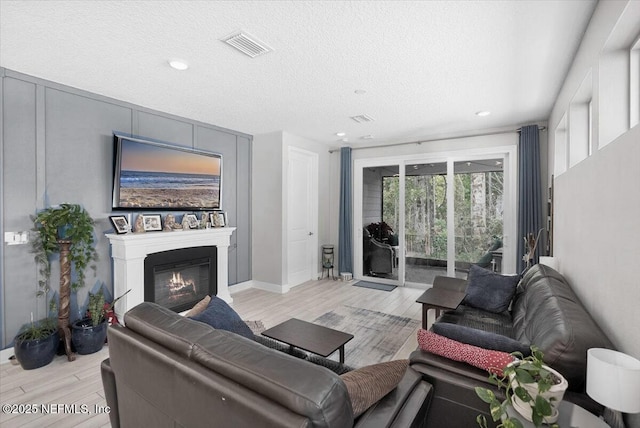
57,146
135,108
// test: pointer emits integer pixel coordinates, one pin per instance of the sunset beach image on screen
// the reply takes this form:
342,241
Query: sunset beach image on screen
158,176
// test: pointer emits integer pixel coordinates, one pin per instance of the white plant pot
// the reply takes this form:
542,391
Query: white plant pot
554,395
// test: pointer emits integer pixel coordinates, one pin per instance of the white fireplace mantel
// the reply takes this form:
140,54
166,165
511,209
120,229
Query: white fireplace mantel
129,251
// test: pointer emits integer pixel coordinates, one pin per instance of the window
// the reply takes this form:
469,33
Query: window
580,122
560,150
634,87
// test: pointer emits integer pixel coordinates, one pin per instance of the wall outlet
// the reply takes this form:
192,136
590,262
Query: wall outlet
16,238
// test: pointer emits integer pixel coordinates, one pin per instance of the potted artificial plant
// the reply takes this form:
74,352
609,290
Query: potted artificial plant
66,229
532,388
89,333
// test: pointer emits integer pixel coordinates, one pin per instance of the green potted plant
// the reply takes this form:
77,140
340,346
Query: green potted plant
531,387
89,333
36,344
66,222
66,229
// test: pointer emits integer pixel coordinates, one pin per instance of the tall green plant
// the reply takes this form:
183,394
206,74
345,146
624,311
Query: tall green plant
68,222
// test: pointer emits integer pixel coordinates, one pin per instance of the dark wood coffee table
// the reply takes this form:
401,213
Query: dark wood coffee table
309,337
439,299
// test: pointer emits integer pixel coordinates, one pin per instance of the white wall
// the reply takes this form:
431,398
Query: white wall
445,145
597,201
266,194
597,236
270,199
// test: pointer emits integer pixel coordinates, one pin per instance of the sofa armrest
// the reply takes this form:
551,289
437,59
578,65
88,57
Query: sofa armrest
406,406
110,392
454,401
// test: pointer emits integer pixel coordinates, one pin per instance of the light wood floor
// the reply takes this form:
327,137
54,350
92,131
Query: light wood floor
79,382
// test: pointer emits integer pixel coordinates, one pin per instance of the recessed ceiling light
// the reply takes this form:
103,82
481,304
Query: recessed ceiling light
367,137
345,140
483,113
341,134
360,91
178,64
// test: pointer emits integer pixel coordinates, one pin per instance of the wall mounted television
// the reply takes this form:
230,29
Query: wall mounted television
149,175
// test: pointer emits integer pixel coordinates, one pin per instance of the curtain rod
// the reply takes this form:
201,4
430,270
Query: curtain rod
540,128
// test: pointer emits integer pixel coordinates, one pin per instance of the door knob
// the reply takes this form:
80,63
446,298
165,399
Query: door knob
310,233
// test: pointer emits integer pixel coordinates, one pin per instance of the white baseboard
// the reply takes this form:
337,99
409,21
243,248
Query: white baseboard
241,286
267,286
5,354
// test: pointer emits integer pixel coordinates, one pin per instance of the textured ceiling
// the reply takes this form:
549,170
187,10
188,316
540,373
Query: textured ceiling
426,67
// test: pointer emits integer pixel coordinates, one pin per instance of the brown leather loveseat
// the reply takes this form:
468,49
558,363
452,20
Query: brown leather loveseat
165,370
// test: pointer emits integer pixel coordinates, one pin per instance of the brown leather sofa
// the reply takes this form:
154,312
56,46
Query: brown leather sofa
165,370
545,312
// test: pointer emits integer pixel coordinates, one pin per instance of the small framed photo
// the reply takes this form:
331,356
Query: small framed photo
120,224
152,222
218,219
192,221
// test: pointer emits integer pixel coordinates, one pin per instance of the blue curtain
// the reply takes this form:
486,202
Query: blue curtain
345,226
530,204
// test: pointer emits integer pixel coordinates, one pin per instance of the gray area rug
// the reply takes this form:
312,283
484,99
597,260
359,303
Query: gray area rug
256,327
375,285
377,336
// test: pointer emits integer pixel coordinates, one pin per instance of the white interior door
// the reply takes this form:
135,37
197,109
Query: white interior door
302,218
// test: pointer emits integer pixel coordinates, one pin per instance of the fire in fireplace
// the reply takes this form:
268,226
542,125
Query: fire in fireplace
178,279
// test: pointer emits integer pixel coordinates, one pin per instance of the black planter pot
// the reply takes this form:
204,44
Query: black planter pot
86,338
35,353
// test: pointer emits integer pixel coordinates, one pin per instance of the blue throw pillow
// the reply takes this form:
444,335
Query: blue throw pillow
218,314
489,290
480,338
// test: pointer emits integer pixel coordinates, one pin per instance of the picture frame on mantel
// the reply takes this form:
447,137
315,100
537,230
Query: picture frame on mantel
192,221
152,222
120,224
218,219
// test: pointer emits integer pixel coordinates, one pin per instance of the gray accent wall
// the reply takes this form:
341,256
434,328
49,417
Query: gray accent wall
57,146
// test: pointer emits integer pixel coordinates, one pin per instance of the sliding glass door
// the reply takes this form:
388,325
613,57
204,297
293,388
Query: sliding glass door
380,223
478,213
425,221
420,218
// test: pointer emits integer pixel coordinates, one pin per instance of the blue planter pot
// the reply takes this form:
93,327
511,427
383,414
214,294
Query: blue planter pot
35,353
86,338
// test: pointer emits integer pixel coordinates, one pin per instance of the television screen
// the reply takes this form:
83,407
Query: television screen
155,176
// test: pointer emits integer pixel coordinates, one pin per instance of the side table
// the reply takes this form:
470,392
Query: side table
439,299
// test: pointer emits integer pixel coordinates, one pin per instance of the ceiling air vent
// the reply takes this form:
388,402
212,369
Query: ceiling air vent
362,118
247,44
